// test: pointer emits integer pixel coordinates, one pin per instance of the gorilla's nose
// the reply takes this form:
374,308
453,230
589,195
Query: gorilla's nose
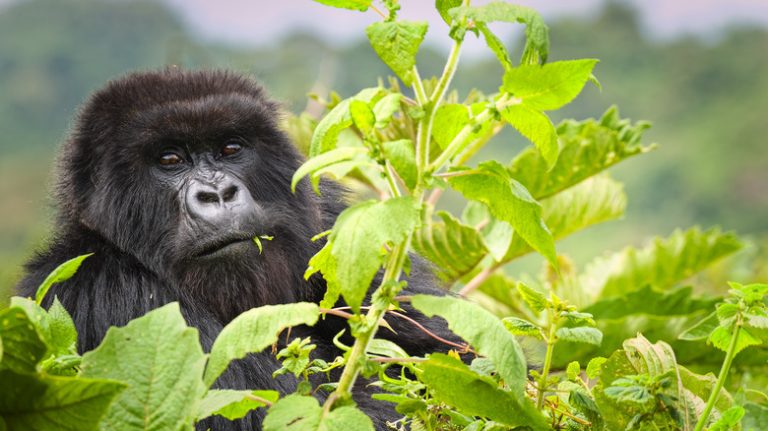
224,201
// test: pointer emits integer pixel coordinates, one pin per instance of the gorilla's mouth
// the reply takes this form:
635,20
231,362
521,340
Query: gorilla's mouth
225,245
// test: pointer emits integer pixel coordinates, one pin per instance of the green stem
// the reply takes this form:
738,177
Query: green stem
729,355
551,340
378,308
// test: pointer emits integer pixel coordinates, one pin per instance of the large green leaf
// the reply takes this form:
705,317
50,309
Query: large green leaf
550,86
661,264
509,201
359,237
41,402
301,413
396,43
483,331
23,347
253,331
326,133
454,383
587,147
161,360
454,248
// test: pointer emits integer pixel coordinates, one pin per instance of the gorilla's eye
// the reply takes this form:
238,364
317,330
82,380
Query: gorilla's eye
170,158
230,148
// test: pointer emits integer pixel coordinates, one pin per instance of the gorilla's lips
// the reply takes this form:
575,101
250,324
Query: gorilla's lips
224,245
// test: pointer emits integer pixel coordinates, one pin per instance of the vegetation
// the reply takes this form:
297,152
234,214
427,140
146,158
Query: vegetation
404,150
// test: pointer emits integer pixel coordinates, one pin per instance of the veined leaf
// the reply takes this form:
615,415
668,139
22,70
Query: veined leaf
161,360
362,116
443,6
454,248
359,5
509,201
385,108
496,234
42,402
402,156
326,133
325,262
396,43
359,236
661,264
483,331
23,346
454,383
63,272
536,126
550,86
587,148
519,326
317,165
496,45
450,118
301,413
677,302
581,334
722,335
536,32
253,331
233,404
596,200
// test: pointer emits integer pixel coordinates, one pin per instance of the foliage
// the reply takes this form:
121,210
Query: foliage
408,147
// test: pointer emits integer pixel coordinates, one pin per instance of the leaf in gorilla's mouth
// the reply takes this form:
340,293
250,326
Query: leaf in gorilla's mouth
257,241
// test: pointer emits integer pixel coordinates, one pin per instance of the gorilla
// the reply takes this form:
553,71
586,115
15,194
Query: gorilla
166,178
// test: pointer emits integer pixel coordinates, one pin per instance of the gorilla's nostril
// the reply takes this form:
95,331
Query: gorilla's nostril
207,197
229,193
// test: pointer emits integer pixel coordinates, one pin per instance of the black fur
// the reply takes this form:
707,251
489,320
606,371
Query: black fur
115,201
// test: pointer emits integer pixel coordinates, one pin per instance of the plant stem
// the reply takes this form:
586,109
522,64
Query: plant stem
551,340
729,355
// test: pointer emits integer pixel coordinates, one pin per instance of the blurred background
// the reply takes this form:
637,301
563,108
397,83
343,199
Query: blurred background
697,69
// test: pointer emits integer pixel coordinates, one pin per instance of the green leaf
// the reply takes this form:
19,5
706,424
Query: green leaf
536,32
702,329
318,165
550,86
496,234
385,108
661,264
677,302
587,147
359,5
536,126
596,200
582,334
535,300
449,119
594,365
509,201
443,6
326,133
233,404
454,383
23,347
519,326
359,236
161,360
573,370
396,43
386,348
301,413
730,419
483,331
362,116
454,248
496,45
41,402
325,262
755,418
63,337
402,156
253,331
722,335
63,272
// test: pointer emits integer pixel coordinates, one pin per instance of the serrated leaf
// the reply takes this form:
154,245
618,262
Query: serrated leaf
519,326
536,32
587,147
161,360
323,261
359,236
362,116
41,402
63,272
549,86
593,367
253,331
497,235
573,370
449,119
454,248
582,334
509,201
23,347
396,43
535,300
63,337
301,413
402,156
483,331
453,382
661,264
233,404
677,302
359,5
722,335
385,108
326,133
496,45
536,126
